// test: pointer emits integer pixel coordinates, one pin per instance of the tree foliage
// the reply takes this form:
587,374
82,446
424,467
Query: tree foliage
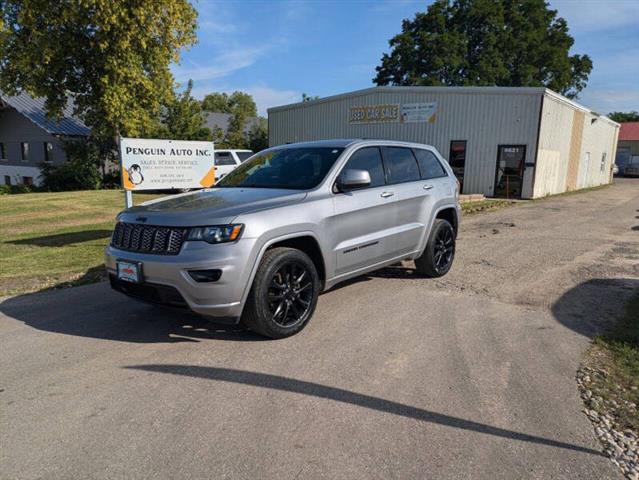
112,57
485,42
234,103
622,117
182,118
258,135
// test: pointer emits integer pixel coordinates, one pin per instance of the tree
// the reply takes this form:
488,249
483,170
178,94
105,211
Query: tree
308,98
235,135
182,118
622,117
111,57
485,42
216,102
258,135
234,103
243,102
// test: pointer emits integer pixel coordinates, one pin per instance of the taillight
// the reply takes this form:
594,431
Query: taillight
457,188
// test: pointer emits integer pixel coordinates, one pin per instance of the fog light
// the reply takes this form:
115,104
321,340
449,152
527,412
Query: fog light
205,275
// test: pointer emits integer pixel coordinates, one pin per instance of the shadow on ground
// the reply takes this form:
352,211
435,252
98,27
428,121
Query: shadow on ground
592,307
63,239
276,382
95,311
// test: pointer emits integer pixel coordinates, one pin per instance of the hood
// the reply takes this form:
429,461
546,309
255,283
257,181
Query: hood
216,206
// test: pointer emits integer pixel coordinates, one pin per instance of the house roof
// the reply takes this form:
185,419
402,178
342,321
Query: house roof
222,120
34,110
629,131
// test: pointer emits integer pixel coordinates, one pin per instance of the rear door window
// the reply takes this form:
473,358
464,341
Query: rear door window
429,166
224,158
400,165
368,159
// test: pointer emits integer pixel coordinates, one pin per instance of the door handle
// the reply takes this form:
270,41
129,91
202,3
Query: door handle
387,194
428,187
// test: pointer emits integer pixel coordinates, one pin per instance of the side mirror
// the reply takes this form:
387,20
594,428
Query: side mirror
352,179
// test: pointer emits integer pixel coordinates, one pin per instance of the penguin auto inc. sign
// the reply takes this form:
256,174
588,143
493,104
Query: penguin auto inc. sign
149,164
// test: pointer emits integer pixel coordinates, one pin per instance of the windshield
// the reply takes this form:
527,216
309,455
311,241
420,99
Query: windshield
294,168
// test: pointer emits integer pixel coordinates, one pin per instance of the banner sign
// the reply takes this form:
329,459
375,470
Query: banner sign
386,113
149,164
418,112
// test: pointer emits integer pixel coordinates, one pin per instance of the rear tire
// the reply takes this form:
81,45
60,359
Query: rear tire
283,295
437,258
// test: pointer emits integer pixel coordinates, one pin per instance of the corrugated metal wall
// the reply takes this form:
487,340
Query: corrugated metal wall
485,118
576,148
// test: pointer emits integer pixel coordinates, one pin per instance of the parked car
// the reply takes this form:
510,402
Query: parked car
621,159
632,167
227,160
285,225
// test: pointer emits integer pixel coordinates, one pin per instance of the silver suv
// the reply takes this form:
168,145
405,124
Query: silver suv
287,224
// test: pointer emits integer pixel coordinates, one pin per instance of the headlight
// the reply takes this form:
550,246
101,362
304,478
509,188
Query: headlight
216,233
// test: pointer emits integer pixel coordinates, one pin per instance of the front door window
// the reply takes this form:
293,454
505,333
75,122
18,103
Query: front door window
510,171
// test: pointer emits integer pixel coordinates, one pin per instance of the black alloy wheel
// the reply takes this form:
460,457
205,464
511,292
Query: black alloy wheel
284,293
439,253
290,294
444,248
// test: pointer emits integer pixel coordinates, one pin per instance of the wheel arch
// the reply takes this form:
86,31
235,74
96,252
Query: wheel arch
449,214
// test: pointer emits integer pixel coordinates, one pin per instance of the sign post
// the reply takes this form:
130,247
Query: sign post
150,164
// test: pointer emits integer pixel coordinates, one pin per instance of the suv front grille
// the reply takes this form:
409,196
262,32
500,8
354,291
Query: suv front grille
134,237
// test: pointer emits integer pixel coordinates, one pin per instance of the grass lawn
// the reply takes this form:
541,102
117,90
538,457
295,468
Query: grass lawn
485,205
56,239
614,358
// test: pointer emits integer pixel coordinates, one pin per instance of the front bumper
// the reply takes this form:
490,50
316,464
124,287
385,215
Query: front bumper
222,299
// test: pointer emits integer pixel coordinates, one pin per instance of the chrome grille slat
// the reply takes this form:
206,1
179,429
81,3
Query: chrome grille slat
135,237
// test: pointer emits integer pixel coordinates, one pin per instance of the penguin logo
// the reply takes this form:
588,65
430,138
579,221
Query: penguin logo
135,174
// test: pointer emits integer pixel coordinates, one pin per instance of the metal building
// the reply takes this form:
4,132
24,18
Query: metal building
514,142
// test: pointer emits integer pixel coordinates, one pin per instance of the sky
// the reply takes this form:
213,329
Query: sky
278,49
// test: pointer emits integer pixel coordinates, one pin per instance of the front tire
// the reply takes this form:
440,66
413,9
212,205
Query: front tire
438,256
283,295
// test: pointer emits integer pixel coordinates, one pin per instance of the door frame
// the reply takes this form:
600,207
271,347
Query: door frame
523,166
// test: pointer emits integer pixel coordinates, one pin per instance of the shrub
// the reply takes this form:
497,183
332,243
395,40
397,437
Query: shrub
80,172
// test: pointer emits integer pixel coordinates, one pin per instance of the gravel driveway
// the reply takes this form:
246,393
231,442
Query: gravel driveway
469,376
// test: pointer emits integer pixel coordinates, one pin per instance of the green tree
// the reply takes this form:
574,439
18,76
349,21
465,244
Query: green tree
622,117
111,57
234,103
308,98
258,135
242,102
216,102
236,135
485,42
182,118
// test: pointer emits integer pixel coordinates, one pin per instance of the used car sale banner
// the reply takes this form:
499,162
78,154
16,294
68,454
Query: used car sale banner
149,164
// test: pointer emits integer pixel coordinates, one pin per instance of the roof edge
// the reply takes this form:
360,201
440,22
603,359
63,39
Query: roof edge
417,89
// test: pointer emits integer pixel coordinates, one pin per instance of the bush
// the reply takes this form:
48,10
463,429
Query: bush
72,175
20,188
80,172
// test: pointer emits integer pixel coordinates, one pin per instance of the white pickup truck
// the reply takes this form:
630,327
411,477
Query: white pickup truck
227,160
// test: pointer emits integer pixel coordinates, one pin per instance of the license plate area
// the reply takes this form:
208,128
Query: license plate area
129,271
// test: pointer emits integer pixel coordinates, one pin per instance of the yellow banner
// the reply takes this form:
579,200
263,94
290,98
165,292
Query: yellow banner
384,113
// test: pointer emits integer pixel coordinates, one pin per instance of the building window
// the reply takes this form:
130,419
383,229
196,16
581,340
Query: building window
24,147
48,151
603,163
27,180
3,155
457,160
7,180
